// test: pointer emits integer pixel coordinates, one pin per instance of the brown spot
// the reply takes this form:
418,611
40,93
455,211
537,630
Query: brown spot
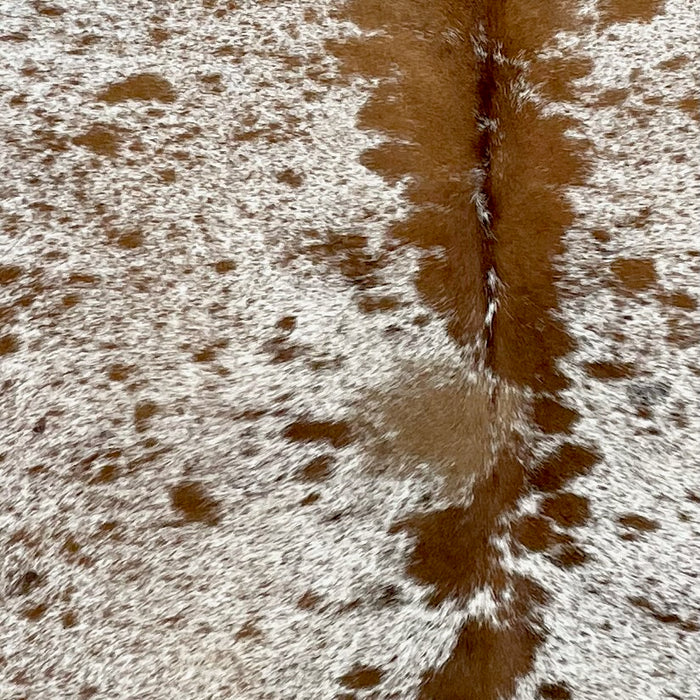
140,86
48,10
634,274
680,300
39,426
472,672
70,300
601,236
82,278
536,534
190,499
338,433
638,522
88,691
291,178
27,583
36,612
310,499
205,354
119,372
567,509
9,343
106,475
318,469
69,619
362,677
18,37
566,463
99,139
629,10
9,273
675,63
569,555
664,618
143,412
287,324
168,175
554,691
691,105
609,370
224,266
552,417
308,601
612,97
248,631
130,240
370,305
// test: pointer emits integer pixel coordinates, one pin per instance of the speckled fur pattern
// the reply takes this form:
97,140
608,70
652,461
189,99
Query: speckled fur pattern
217,369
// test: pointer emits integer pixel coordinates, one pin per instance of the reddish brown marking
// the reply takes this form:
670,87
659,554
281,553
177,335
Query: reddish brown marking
567,509
140,86
638,522
612,97
609,370
9,274
664,618
35,612
681,300
536,534
9,343
551,417
191,501
566,463
143,412
629,10
554,691
338,433
99,139
484,664
318,469
569,555
361,677
291,178
634,274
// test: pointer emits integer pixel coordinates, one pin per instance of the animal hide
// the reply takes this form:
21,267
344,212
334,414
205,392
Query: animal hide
349,349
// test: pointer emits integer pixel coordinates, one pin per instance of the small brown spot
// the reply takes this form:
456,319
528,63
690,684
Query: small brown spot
70,300
612,97
638,522
362,677
130,240
9,273
39,426
224,266
15,36
99,139
551,417
140,86
601,236
569,555
567,509
47,10
629,10
69,619
664,618
566,463
680,300
82,278
248,631
190,499
674,63
291,178
308,601
88,691
691,105
287,324
536,534
205,354
338,433
318,469
107,474
36,612
143,412
9,343
634,274
310,499
168,175
554,691
370,305
26,583
119,373
609,370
